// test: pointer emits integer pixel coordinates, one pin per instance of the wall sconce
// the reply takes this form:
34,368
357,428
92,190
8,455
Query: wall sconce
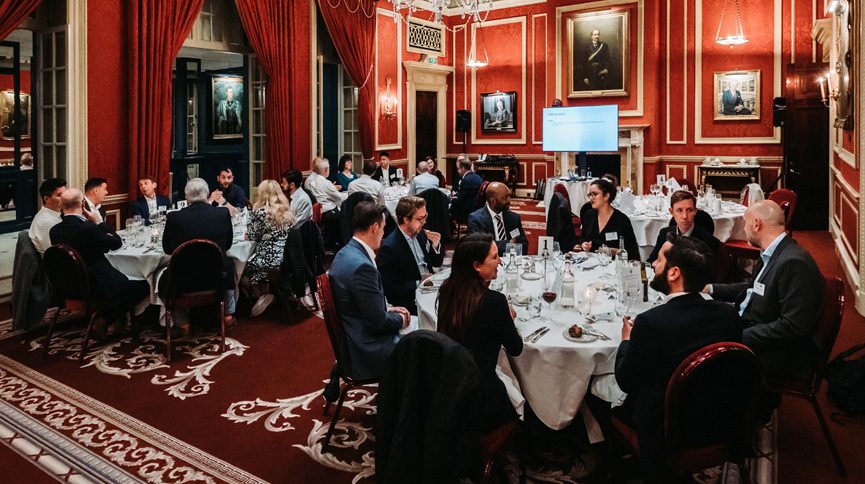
828,92
388,101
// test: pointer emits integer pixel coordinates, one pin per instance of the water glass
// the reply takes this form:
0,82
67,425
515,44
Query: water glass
604,255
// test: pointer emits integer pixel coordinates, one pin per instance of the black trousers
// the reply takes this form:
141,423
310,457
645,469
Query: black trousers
330,232
129,294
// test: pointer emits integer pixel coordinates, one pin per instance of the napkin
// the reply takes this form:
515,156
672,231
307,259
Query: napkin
672,185
627,201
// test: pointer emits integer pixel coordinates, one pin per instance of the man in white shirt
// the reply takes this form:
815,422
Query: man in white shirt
367,184
321,188
423,181
299,202
49,215
95,191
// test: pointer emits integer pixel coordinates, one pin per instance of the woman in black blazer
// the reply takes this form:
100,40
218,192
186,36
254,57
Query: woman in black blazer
604,225
480,319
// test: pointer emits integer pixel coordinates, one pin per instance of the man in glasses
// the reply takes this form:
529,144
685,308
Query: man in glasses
407,255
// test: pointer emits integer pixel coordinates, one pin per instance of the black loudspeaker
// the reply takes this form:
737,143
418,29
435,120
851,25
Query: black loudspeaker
779,106
464,121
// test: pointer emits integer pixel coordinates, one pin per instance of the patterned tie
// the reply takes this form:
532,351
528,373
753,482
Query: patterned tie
500,233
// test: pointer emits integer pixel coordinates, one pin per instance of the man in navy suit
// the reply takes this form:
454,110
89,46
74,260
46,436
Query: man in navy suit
466,193
371,328
149,201
683,208
495,218
659,339
113,291
408,254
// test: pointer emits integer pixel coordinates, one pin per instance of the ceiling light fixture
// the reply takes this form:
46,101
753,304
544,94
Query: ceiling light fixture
733,35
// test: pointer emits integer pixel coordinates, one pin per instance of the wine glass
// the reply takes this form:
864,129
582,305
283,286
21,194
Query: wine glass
130,231
589,294
604,255
549,295
162,210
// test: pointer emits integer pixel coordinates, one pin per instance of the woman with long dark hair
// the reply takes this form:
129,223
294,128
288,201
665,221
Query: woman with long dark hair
480,319
605,225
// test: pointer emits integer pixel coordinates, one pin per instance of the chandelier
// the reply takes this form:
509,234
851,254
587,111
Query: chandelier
470,9
734,35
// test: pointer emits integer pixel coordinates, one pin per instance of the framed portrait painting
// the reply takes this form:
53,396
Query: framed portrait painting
8,129
737,95
499,112
228,109
598,56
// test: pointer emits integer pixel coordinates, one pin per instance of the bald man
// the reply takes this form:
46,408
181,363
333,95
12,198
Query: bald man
114,293
781,304
496,218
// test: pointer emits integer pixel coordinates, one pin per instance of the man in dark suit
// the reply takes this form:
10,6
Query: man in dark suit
659,339
371,328
781,304
732,101
466,193
95,191
113,291
385,173
683,208
200,220
408,254
149,201
495,218
597,63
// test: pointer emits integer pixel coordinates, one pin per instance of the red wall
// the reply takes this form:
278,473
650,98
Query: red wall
107,93
682,154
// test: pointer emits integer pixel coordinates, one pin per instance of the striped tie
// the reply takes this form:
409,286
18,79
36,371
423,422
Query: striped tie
500,233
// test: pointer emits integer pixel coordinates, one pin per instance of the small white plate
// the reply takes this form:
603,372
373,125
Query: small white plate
585,338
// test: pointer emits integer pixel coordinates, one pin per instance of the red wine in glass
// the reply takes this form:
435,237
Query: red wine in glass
549,296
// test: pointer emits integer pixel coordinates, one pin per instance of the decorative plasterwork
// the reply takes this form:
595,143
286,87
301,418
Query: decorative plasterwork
423,76
640,41
397,86
698,89
535,140
822,33
76,75
684,88
522,101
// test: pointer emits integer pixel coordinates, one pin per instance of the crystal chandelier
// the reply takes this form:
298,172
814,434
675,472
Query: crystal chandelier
734,35
467,8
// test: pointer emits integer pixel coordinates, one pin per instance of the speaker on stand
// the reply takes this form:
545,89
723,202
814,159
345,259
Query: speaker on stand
464,124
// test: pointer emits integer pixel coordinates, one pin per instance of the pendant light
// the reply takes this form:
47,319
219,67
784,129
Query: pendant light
734,34
474,59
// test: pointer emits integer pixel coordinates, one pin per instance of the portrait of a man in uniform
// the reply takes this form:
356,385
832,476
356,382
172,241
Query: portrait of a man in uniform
598,54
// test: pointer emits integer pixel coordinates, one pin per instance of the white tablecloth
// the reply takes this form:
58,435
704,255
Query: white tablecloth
553,373
729,224
392,195
139,263
577,191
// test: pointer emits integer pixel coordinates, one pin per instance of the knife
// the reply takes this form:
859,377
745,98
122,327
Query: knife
529,337
540,335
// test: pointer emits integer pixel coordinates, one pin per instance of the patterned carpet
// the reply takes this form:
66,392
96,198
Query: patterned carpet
250,414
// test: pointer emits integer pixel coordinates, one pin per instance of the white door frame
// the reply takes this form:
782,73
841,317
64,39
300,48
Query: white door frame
422,76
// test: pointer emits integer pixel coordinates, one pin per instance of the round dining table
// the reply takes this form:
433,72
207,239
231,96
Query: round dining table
146,263
577,192
553,372
647,224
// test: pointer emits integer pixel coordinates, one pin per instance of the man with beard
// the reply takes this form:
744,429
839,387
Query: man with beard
659,339
495,218
228,194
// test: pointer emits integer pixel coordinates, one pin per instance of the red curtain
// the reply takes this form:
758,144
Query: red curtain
269,26
13,12
157,30
351,24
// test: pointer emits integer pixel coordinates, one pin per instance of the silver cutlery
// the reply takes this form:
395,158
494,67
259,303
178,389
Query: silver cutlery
600,335
535,333
540,335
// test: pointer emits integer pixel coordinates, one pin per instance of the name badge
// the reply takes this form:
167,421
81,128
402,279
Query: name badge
612,236
515,233
759,288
